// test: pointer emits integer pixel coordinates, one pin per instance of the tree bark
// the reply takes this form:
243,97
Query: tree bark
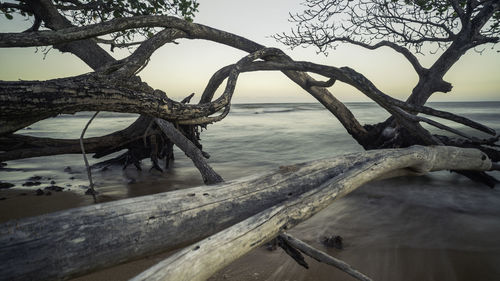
87,50
32,100
208,174
98,236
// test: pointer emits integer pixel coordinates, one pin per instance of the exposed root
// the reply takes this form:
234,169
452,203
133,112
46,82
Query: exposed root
89,171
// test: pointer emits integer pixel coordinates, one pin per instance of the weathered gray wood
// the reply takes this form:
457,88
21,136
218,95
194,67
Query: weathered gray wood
202,259
73,242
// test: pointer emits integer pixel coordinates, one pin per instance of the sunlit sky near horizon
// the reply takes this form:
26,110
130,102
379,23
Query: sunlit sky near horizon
185,68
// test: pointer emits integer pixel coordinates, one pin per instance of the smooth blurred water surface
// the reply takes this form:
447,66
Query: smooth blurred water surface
436,227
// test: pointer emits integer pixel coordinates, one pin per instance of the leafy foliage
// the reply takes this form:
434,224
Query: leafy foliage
86,12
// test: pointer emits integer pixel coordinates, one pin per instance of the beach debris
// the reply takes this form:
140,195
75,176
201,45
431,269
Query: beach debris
32,183
35,178
6,185
54,188
301,246
292,251
334,241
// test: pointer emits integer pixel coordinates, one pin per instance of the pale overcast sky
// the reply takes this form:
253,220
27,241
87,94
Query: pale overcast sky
185,68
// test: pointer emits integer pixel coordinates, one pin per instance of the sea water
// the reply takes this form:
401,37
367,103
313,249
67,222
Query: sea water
440,226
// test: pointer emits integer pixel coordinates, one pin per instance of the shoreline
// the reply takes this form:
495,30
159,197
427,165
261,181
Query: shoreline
20,203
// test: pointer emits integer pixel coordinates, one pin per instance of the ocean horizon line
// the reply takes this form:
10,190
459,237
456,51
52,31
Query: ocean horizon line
359,102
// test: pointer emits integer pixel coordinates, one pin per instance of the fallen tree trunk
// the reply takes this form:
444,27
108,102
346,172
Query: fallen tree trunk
92,237
98,236
203,259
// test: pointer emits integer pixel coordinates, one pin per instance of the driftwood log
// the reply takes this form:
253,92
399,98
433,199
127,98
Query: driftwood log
244,214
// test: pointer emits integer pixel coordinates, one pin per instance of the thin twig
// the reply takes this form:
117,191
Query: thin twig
323,257
89,173
205,120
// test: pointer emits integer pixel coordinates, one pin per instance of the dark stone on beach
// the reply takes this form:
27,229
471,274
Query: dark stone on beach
54,188
6,185
35,178
32,183
52,182
48,193
39,192
334,241
67,169
2,164
72,178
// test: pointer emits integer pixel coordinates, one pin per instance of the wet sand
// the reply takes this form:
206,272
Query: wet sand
398,264
20,203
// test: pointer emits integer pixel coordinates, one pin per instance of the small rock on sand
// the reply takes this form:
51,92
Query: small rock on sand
54,188
6,185
32,183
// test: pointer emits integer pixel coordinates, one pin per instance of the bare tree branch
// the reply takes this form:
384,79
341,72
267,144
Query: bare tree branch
323,257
